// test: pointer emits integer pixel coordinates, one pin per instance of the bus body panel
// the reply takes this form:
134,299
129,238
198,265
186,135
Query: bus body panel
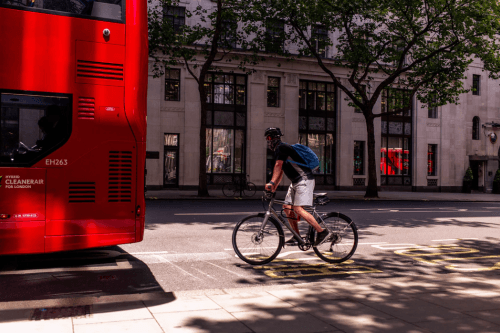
93,192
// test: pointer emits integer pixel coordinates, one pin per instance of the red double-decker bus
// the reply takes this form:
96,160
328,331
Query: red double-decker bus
73,84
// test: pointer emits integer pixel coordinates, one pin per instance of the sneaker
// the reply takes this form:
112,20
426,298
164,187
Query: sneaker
291,242
321,237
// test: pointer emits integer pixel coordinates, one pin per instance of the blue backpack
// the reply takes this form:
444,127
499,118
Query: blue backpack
312,161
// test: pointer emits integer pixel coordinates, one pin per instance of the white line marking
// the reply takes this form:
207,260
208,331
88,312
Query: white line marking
215,214
120,264
395,246
226,269
204,273
183,270
372,243
444,240
154,252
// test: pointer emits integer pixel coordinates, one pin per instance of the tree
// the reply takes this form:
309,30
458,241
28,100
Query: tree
218,35
408,48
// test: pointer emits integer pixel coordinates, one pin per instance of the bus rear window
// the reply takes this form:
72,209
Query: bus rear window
99,9
32,126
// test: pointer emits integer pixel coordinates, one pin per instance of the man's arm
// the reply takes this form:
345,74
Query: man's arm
277,176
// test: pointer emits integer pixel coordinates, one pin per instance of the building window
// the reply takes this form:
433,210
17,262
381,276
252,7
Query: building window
226,127
359,157
176,16
396,135
363,88
475,128
273,92
228,37
476,79
431,160
275,36
432,110
320,39
171,160
317,106
172,84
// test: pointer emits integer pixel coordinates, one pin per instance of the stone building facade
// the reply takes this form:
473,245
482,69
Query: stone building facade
424,150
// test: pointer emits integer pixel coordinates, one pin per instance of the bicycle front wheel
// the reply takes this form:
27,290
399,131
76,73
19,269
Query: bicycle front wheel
229,190
249,189
342,241
255,245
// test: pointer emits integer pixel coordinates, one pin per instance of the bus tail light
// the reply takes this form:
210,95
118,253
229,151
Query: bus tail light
138,211
4,216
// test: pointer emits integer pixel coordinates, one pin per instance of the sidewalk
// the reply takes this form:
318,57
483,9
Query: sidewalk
217,194
452,303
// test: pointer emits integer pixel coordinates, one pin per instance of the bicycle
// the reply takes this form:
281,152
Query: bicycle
258,239
240,185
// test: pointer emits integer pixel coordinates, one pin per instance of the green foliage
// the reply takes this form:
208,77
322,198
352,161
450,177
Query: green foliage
468,175
497,177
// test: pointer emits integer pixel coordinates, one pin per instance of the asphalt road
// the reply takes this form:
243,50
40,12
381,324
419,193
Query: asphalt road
187,246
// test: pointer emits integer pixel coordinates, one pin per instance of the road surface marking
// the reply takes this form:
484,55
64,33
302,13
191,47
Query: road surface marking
215,214
120,264
372,243
395,246
230,271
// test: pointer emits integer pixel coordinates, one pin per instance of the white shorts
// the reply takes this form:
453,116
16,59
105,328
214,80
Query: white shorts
300,193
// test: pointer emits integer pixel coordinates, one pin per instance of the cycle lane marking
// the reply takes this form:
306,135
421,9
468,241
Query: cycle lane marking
451,253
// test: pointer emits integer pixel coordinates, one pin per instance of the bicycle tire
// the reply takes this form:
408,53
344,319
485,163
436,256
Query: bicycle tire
343,240
257,251
229,189
250,189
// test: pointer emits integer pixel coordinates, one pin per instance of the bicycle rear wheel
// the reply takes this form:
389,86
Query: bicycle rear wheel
342,241
249,189
229,189
256,247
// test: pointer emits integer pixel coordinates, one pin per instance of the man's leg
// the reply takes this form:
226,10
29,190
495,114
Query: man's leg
293,218
300,211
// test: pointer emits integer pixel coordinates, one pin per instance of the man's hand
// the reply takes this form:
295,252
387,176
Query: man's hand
269,187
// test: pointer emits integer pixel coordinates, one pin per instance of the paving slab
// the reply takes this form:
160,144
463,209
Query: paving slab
463,324
126,326
413,310
193,303
249,301
463,301
288,320
41,326
115,312
492,316
216,321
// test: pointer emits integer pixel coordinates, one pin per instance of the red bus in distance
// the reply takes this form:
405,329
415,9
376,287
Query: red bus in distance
393,161
73,84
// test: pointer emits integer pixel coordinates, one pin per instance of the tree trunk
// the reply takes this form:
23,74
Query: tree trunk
371,190
202,180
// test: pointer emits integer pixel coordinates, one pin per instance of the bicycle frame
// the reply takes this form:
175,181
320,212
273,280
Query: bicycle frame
272,212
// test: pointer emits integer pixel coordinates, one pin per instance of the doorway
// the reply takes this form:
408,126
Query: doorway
171,160
475,166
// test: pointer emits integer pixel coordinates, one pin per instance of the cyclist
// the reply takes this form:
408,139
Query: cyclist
300,192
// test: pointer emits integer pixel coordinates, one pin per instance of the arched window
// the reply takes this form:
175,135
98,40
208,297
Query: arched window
475,128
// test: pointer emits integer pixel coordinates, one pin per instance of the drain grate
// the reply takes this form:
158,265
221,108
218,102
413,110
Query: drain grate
59,313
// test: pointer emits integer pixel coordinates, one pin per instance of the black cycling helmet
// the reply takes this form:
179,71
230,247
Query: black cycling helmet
272,133
273,137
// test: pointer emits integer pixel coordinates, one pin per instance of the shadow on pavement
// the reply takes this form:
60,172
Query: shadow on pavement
68,284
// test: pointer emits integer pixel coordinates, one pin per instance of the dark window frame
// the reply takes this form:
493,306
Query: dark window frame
68,118
239,113
175,148
404,118
320,38
475,127
169,81
359,159
273,90
432,158
432,111
61,13
274,36
311,90
476,85
226,37
176,15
